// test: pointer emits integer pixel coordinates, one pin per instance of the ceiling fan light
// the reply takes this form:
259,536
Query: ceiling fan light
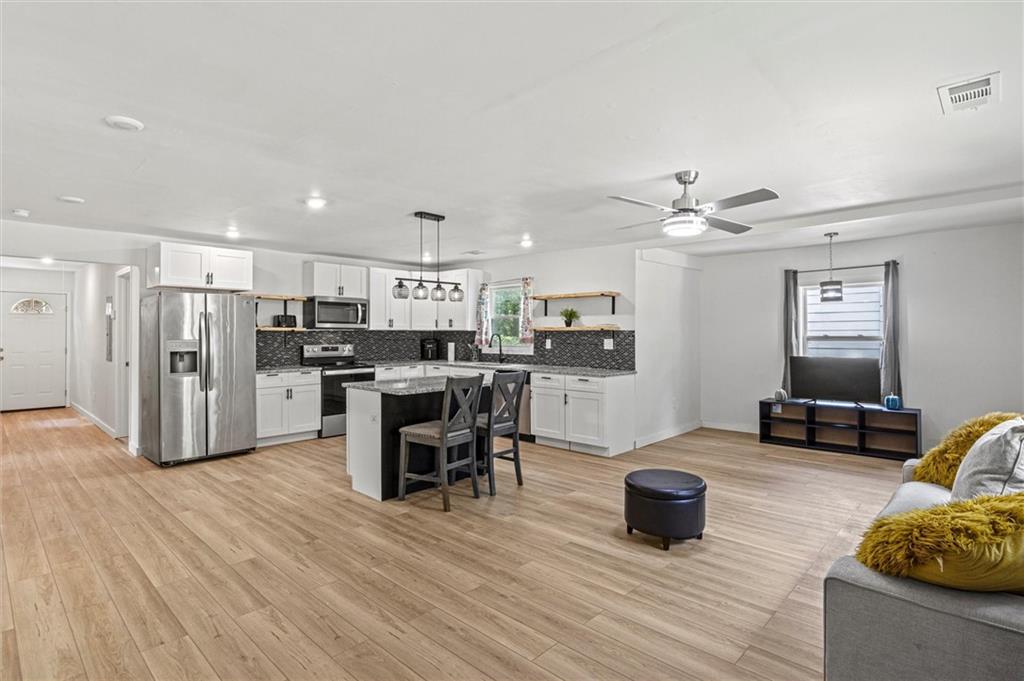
684,225
400,290
456,295
420,291
831,291
438,294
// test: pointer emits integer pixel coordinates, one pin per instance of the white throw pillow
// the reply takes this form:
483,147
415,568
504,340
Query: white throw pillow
994,464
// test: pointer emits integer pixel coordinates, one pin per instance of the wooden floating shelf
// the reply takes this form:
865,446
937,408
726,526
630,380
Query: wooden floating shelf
273,296
282,329
583,294
598,327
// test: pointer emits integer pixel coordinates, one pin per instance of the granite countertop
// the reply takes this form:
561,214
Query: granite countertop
406,386
285,370
512,366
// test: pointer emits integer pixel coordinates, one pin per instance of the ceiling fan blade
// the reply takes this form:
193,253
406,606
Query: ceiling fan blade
727,225
639,224
756,196
642,203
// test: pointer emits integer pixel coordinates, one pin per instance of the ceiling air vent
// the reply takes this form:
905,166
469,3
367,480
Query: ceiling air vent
970,94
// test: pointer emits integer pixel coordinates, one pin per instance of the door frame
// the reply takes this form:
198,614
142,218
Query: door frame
129,307
122,351
67,334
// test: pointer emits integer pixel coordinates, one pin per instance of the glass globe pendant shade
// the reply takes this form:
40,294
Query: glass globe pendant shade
420,292
438,293
684,225
400,290
456,295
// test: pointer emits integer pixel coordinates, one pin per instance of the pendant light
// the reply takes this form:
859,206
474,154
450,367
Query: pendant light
421,292
831,291
438,294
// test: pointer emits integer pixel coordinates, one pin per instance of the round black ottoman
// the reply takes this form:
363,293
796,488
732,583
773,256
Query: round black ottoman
665,503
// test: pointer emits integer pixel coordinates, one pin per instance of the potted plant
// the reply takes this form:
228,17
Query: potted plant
570,315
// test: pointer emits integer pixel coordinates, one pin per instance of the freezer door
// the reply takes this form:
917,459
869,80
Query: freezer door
182,400
231,372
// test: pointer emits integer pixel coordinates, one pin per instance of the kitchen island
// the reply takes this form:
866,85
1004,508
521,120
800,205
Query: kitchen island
376,412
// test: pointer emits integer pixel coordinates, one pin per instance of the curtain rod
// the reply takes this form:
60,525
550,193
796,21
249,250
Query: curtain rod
839,269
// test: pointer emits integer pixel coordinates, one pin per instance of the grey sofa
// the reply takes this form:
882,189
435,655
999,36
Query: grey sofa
881,628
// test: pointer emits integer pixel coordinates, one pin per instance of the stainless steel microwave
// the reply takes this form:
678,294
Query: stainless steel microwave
325,312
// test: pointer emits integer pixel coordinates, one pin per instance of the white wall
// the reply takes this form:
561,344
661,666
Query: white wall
668,378
963,324
605,268
92,384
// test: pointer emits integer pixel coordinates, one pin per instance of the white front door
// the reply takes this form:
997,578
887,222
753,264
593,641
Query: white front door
33,348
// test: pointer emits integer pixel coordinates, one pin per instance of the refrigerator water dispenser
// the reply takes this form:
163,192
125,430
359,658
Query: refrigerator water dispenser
184,361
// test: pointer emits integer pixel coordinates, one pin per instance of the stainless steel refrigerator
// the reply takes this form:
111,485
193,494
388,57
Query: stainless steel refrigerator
197,375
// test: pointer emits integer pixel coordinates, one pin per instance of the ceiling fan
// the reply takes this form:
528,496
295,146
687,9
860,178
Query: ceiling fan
688,217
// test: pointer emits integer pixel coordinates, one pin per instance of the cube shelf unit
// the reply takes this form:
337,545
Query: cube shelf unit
847,427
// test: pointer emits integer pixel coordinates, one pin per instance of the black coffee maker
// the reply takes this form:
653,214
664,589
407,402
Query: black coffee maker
429,349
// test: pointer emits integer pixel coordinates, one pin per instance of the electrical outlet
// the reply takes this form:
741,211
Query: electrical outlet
609,344
547,343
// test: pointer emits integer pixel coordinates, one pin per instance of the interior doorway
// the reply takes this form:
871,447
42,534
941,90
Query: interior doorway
122,324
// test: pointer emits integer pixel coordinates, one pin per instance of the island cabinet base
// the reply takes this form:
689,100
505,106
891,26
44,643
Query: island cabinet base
373,440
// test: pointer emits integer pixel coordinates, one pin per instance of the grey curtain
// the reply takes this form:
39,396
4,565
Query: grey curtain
790,324
890,357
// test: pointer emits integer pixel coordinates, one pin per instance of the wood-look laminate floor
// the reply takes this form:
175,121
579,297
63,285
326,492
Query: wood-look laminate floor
267,566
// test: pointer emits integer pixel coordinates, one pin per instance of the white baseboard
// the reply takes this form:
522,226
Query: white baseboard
665,434
286,439
99,423
737,427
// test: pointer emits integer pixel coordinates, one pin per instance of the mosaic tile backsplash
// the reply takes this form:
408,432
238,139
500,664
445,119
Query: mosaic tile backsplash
578,348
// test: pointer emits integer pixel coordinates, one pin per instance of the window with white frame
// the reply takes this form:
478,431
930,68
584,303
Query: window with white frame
506,313
852,327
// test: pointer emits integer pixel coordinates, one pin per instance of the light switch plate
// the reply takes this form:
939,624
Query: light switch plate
547,343
609,344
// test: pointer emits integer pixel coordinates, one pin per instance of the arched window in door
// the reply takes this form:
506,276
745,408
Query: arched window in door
31,306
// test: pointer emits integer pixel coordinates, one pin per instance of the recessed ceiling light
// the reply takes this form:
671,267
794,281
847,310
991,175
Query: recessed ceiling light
46,260
21,212
233,232
426,256
125,123
316,202
526,242
71,199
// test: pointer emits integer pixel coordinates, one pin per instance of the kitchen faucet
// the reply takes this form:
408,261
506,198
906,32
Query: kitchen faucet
501,351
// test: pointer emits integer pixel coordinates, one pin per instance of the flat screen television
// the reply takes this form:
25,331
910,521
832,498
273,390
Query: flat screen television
842,379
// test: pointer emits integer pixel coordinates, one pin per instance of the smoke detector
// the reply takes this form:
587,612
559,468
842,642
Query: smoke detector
971,94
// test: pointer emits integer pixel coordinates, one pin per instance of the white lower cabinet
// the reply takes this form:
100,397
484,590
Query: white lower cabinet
387,373
415,371
582,413
436,370
287,406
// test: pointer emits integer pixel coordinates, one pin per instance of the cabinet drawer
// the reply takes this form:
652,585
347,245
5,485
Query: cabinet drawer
388,373
303,377
270,380
584,383
538,380
436,370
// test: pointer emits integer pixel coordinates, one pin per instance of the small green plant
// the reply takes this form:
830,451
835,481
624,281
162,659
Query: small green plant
570,315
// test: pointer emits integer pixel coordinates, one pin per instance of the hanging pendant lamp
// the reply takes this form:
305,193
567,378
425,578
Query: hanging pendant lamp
438,294
421,292
831,291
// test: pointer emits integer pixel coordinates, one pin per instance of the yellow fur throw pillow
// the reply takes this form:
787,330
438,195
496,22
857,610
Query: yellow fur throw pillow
976,545
940,464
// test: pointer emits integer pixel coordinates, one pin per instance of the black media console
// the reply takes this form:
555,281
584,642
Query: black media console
851,427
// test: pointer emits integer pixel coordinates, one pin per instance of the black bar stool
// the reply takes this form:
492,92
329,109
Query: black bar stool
502,419
456,427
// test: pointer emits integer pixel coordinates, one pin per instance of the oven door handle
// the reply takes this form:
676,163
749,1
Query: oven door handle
348,372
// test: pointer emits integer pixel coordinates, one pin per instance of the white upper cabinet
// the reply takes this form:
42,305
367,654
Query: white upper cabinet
386,311
335,280
196,266
460,316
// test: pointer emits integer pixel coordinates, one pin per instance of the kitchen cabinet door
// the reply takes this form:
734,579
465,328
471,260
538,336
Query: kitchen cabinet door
451,316
584,417
322,279
181,265
436,370
271,412
412,372
352,281
387,373
378,299
304,409
547,413
423,314
230,269
399,309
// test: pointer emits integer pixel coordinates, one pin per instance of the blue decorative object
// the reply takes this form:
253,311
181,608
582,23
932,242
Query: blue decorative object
893,402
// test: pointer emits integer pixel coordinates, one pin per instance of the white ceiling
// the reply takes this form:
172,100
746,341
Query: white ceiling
509,118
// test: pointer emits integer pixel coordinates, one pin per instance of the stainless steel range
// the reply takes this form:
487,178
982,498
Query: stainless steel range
339,367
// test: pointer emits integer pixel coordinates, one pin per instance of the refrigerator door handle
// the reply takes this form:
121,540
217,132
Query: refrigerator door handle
208,353
202,353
